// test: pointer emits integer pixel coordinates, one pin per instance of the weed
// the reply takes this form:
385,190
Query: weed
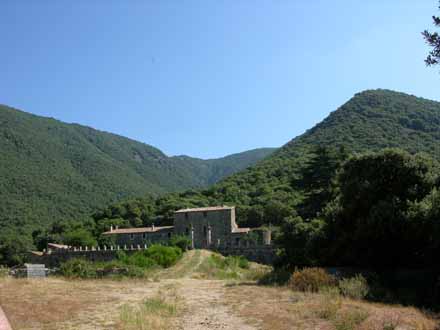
311,280
355,287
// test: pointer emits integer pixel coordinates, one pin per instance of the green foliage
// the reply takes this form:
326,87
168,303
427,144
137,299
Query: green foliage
13,248
299,241
4,272
311,280
231,267
164,256
384,211
354,287
278,276
433,40
78,268
51,171
182,242
79,237
138,259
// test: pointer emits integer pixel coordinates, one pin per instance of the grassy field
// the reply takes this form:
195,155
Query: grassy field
199,292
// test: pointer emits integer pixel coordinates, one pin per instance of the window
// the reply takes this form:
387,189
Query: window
144,236
186,231
131,236
186,215
169,235
204,230
237,241
205,214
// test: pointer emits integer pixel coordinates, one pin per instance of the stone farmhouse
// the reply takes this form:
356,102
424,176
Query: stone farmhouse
211,228
206,227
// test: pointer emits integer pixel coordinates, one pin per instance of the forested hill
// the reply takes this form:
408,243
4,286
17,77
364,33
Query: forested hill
372,120
52,170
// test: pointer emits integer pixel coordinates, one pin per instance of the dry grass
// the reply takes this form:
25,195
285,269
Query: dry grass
157,312
65,304
281,309
183,300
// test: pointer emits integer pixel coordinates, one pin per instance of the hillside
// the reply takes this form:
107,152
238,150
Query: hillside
52,170
370,121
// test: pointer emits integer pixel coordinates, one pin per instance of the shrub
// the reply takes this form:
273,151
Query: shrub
350,319
164,256
329,304
236,261
278,276
4,271
138,259
182,242
78,268
117,269
311,279
355,287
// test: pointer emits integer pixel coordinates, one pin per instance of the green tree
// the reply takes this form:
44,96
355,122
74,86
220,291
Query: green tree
367,223
13,248
79,237
316,179
433,40
299,241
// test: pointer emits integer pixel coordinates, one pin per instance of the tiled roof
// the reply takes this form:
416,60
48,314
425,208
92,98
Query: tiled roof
206,209
57,246
137,230
241,230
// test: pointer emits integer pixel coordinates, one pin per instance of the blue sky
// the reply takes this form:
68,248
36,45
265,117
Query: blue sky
208,78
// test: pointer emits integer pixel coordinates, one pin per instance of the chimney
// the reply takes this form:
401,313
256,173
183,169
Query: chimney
152,226
117,227
111,228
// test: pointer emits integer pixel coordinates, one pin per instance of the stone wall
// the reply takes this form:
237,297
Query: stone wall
261,253
208,228
264,254
159,236
55,258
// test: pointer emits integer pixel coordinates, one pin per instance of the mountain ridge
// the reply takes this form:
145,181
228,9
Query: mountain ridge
52,170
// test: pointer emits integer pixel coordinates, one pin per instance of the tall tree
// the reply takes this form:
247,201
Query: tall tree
316,179
433,40
369,222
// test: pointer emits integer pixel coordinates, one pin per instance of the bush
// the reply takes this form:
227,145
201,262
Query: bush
78,268
164,256
4,271
236,261
329,303
311,280
138,259
182,242
355,287
278,276
117,268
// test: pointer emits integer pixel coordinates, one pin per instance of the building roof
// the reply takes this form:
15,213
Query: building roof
206,209
57,246
138,230
241,230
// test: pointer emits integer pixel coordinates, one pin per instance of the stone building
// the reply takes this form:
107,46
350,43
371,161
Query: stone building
206,227
211,228
140,236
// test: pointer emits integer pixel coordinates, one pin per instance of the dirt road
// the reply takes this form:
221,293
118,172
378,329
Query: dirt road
205,307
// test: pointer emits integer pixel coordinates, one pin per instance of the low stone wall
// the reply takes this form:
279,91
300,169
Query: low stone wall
264,254
55,258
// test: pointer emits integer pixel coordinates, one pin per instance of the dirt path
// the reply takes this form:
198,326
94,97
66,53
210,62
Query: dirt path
205,307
